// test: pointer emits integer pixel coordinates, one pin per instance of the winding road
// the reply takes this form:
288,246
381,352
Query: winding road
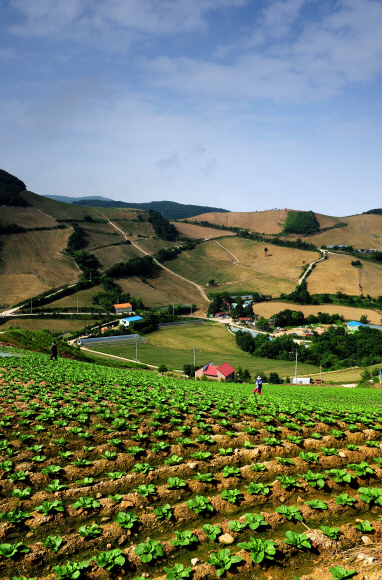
159,264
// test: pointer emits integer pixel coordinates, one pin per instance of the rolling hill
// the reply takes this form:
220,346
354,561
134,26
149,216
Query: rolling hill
35,258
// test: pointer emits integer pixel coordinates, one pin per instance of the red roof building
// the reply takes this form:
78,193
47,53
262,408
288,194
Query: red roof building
211,371
248,318
123,307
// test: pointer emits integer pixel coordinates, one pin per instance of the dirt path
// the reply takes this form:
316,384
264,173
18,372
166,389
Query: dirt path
237,259
161,265
305,274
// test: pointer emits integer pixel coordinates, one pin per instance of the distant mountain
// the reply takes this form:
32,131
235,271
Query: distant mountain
170,209
67,199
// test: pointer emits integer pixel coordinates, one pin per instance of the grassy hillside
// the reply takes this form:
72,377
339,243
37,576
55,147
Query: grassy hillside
337,274
53,324
243,264
37,254
198,232
362,231
27,217
269,222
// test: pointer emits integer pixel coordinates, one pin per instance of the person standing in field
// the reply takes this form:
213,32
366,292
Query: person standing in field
259,384
53,351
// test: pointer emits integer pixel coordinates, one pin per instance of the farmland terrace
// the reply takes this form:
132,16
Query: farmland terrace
108,473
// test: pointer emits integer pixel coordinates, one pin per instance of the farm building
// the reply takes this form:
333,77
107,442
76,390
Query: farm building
127,321
246,318
120,308
224,371
301,381
354,325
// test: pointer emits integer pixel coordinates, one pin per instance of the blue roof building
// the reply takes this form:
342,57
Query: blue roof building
127,321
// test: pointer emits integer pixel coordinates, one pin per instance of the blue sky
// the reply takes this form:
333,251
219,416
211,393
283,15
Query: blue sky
242,104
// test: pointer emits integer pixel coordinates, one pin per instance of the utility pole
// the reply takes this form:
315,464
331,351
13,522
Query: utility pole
77,304
31,305
1,306
136,351
191,308
295,369
173,306
320,376
195,349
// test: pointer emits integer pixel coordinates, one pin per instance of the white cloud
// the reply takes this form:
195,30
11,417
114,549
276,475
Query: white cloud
114,23
314,62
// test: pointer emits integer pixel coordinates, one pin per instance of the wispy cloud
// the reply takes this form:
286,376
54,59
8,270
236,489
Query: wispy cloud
119,21
315,61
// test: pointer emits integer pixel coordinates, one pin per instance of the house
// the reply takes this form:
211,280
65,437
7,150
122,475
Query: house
245,318
224,371
120,308
221,314
127,321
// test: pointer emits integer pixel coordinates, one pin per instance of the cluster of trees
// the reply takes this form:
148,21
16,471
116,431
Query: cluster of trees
162,227
333,349
300,295
134,267
113,294
10,189
89,265
296,318
10,229
301,222
377,211
170,254
77,240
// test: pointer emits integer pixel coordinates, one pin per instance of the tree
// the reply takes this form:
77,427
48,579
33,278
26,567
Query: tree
274,378
262,323
162,369
265,251
364,319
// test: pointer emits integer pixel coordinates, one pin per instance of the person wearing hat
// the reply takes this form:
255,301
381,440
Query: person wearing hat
259,384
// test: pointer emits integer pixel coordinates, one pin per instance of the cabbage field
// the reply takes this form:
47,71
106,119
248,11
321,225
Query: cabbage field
108,473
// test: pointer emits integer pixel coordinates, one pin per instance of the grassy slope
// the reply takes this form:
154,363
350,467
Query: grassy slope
251,269
337,274
362,231
27,217
277,261
39,255
52,324
173,347
198,232
267,309
269,222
